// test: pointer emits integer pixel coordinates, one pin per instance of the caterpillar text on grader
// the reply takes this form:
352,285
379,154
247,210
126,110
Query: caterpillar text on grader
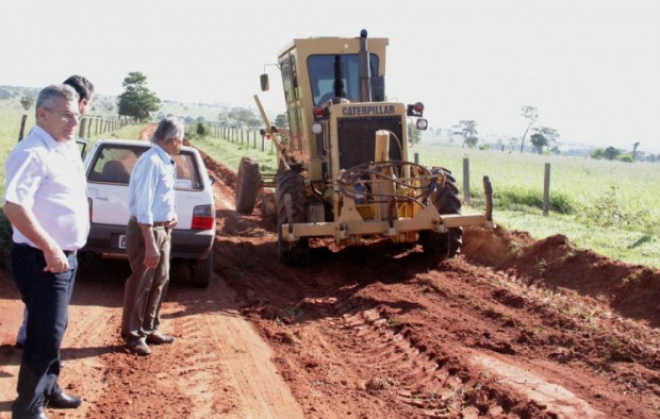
343,167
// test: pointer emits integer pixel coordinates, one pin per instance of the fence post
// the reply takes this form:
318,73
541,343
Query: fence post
416,158
546,190
81,132
22,130
466,180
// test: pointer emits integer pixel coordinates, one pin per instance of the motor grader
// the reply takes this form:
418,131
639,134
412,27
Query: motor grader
343,166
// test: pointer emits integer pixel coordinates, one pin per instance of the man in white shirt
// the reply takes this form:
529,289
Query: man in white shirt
85,90
45,201
148,241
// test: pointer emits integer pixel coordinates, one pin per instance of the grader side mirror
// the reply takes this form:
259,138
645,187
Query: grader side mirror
264,83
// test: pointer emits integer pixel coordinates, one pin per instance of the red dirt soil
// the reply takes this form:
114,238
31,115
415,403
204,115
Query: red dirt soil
513,328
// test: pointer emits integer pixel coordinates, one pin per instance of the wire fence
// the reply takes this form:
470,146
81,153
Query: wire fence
90,125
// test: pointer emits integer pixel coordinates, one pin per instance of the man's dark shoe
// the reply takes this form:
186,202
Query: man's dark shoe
63,401
139,347
159,338
38,414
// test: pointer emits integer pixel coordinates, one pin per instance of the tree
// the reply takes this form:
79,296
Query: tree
281,121
202,128
244,117
467,128
550,134
539,141
611,153
531,115
471,141
598,154
634,152
27,102
137,101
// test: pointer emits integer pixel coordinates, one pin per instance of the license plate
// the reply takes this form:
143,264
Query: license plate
121,243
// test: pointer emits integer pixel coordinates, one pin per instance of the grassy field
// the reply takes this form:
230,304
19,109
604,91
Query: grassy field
612,208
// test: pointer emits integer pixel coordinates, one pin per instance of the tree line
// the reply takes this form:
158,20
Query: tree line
543,139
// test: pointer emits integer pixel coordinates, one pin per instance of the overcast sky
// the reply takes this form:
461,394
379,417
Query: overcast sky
591,67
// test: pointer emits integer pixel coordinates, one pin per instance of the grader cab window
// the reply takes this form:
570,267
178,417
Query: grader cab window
322,76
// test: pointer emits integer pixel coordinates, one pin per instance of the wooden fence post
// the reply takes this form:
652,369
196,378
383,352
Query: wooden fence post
22,130
466,180
81,131
546,190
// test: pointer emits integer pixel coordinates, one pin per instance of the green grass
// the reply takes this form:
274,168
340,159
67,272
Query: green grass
230,154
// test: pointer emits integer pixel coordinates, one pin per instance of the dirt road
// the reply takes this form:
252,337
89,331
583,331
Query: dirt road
511,329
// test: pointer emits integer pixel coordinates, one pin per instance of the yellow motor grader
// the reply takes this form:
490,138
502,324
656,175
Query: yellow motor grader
343,164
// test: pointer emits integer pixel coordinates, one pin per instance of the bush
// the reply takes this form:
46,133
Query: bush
514,198
197,130
626,158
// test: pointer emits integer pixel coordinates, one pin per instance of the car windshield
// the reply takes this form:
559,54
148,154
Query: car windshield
114,164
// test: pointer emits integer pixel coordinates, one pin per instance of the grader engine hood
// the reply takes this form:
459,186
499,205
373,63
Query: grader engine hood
354,125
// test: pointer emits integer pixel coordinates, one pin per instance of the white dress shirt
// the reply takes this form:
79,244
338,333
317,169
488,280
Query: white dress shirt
47,177
151,189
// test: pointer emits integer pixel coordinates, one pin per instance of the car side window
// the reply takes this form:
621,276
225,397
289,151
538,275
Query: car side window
114,165
187,175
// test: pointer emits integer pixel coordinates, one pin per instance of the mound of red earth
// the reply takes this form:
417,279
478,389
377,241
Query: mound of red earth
632,291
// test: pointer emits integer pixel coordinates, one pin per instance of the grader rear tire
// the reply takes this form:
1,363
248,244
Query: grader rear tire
247,185
292,184
441,246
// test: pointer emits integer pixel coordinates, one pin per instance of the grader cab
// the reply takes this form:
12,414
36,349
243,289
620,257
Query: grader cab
343,167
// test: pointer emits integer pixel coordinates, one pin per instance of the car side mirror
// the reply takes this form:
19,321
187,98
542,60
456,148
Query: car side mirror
82,146
264,83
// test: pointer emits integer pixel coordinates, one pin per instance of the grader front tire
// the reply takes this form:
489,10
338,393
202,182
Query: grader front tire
291,183
444,245
247,185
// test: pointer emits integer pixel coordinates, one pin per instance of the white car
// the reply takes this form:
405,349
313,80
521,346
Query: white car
108,166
